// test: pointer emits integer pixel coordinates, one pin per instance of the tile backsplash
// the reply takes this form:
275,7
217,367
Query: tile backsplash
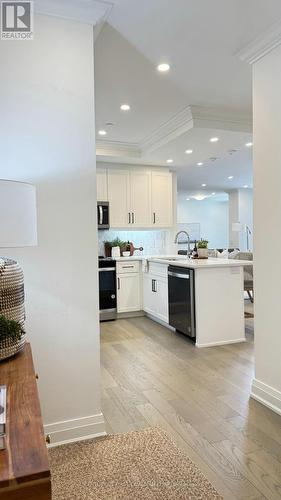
153,242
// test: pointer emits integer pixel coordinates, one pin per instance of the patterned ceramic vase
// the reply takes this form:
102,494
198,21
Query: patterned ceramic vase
11,303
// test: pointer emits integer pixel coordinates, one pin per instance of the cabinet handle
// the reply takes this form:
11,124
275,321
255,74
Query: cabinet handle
129,218
133,218
154,285
154,218
128,267
118,283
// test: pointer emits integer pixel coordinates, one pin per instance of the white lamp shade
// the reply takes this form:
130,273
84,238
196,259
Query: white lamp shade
18,218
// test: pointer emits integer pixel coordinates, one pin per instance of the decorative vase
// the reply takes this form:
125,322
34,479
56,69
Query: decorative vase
202,253
11,303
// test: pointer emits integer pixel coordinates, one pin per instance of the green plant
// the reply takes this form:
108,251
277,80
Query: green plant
202,244
10,329
115,243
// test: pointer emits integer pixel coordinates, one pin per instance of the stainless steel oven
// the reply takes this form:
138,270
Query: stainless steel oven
107,289
103,214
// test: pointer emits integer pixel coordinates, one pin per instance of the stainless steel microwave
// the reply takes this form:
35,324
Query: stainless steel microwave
103,214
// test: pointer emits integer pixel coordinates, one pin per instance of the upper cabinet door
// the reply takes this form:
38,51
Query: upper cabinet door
119,197
140,195
102,194
161,199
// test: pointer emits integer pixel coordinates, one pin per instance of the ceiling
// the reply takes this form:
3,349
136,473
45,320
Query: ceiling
200,40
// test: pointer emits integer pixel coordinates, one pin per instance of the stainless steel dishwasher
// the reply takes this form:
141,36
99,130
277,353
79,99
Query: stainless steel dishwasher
182,300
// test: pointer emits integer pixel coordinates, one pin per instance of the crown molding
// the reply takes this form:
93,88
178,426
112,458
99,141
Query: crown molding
118,149
221,119
189,118
173,128
261,45
84,11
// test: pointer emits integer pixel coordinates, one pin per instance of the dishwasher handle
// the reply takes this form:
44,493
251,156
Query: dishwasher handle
178,275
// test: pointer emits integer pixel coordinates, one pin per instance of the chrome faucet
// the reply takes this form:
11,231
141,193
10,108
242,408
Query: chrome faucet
188,240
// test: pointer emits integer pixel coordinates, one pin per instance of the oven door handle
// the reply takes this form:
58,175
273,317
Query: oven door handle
105,269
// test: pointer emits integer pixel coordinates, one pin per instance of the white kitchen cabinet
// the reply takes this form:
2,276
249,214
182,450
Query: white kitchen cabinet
119,197
155,296
140,198
102,192
128,292
161,199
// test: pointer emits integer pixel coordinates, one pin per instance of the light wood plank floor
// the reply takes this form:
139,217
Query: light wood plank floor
152,376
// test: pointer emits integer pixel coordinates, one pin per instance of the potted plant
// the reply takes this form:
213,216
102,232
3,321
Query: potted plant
108,245
202,249
12,337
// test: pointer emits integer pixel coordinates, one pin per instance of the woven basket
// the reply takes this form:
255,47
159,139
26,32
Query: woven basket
10,347
11,303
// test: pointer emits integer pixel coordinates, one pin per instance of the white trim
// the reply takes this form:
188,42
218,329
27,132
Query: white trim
176,126
262,45
160,321
191,117
70,431
222,119
83,11
266,395
223,342
117,148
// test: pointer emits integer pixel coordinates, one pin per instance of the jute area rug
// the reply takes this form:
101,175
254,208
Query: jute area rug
138,465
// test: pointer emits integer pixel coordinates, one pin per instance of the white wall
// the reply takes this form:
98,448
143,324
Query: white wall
267,228
47,137
212,216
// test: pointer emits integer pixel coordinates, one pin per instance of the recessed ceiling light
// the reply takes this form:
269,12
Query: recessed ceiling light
213,194
199,197
246,186
248,144
102,132
163,67
170,160
187,199
125,107
189,151
230,177
199,164
214,139
203,185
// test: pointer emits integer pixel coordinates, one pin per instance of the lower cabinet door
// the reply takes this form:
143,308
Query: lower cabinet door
128,292
149,296
162,300
155,297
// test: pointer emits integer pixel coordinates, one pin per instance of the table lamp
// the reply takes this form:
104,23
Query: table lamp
18,228
237,227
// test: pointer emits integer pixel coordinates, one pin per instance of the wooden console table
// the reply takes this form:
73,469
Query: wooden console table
24,466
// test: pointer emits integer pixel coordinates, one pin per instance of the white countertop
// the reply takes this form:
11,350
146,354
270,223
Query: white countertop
182,261
203,263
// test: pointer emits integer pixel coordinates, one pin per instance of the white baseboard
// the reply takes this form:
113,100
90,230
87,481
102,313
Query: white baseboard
70,431
266,395
223,342
160,321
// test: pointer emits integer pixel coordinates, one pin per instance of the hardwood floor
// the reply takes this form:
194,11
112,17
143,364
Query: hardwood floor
152,376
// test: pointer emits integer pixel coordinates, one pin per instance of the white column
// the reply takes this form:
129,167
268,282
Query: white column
267,228
47,137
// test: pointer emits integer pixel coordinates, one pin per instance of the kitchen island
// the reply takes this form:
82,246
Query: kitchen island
218,296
